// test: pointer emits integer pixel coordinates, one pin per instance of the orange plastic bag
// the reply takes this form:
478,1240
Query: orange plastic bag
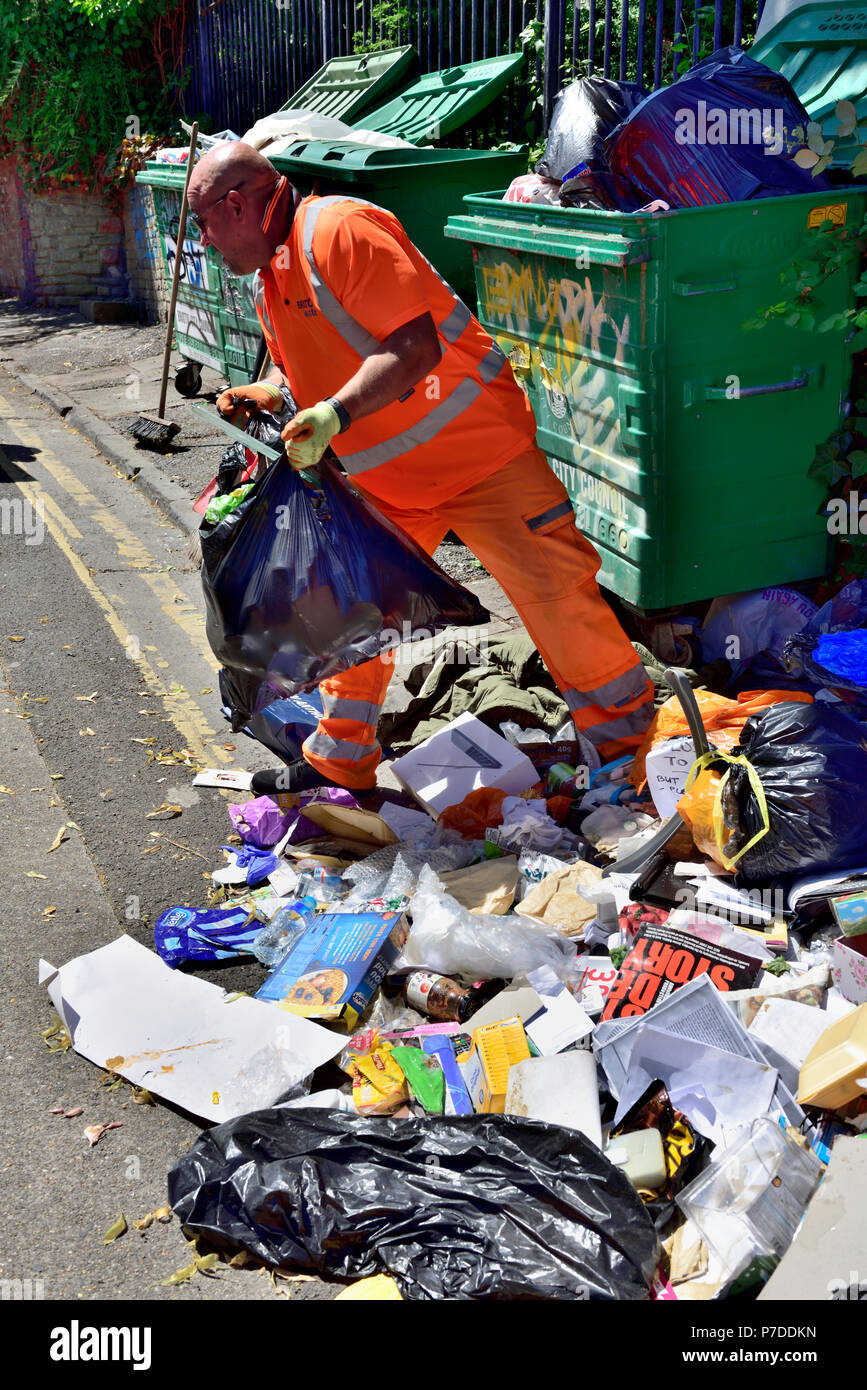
722,718
478,810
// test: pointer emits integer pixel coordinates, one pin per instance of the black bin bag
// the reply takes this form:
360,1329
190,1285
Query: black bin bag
585,113
811,761
469,1207
302,582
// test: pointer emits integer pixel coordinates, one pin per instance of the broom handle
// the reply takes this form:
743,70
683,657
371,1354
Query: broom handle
176,273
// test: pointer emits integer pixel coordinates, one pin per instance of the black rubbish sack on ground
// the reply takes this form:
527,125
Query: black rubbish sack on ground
724,132
811,761
585,113
482,1206
301,582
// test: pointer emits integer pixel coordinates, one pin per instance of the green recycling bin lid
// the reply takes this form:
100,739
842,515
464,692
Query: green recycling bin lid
822,50
441,102
344,87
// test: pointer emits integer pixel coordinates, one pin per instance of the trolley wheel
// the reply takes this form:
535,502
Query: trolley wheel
188,380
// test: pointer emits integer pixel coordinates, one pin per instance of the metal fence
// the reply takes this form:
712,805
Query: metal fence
247,57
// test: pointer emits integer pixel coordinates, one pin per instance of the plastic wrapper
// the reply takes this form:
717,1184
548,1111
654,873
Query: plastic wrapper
526,825
479,811
532,188
592,185
445,937
750,1202
585,113
759,623
425,1076
811,762
724,132
472,1207
205,934
263,820
301,583
392,872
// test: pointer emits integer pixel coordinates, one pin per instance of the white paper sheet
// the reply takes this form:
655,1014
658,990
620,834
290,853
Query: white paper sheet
715,1090
179,1036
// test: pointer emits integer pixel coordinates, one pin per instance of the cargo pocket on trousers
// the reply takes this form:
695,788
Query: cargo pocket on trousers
567,558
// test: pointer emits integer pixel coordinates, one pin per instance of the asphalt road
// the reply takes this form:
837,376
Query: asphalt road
108,691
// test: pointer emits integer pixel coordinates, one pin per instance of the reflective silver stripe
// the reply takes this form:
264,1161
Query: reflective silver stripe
536,522
617,692
492,363
422,432
454,324
362,711
323,746
634,723
350,330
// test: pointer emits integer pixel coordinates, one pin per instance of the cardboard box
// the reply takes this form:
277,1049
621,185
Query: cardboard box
334,968
458,760
849,967
496,1048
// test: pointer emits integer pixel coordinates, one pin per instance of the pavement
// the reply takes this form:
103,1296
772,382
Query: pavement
108,694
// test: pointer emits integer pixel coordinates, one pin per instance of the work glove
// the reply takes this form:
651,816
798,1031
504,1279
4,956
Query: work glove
309,433
256,395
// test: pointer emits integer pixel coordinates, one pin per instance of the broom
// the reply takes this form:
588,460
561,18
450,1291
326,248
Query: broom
154,430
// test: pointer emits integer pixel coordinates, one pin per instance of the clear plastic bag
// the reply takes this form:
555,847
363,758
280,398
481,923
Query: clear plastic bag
448,938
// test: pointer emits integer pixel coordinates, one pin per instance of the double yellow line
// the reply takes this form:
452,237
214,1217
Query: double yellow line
182,709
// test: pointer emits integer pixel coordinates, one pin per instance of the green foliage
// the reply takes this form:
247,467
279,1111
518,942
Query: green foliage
392,16
78,78
841,464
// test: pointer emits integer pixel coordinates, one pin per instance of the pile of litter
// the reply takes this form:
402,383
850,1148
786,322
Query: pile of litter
530,1028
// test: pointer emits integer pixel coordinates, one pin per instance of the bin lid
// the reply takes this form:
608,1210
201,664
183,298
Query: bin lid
440,102
344,87
822,50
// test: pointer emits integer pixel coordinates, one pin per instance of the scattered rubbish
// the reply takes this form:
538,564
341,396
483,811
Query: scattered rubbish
58,839
560,1090
835,1071
333,968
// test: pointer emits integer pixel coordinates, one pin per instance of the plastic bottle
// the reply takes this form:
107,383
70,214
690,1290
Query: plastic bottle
286,928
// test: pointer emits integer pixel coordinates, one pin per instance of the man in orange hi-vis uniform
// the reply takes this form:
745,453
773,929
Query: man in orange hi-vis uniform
420,406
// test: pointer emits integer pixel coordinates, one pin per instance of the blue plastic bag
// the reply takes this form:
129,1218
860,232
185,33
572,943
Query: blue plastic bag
723,133
301,583
205,934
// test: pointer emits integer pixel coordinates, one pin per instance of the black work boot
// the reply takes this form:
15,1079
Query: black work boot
295,777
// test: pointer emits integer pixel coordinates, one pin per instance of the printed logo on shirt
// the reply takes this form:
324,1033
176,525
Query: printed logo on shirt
307,307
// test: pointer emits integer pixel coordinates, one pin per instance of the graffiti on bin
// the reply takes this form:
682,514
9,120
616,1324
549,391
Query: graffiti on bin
565,318
194,265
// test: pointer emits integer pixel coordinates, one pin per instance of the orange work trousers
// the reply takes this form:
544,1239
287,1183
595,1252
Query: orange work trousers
519,522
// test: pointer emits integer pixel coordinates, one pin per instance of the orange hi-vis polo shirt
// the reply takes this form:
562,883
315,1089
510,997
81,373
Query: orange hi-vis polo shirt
345,278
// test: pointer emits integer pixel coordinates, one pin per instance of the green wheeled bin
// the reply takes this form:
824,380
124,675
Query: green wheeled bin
345,87
683,439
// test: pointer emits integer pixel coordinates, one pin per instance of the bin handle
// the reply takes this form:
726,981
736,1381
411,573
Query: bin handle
687,288
694,392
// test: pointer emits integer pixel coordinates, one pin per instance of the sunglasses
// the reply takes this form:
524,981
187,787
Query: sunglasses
199,215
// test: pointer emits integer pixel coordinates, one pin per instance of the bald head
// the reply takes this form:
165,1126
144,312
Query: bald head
228,164
229,189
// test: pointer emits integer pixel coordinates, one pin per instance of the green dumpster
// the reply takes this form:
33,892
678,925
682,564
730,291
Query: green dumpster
683,440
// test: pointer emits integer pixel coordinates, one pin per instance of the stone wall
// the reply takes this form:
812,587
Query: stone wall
62,246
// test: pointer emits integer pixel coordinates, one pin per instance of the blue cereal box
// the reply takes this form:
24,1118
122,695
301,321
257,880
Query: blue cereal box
334,968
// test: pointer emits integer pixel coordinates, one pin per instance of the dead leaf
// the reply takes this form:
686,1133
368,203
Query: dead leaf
58,839
8,790
163,1214
206,1262
31,873
145,1221
71,1114
93,1133
89,698
115,1230
168,811
231,747
88,730
35,699
153,849
142,1097
14,639
49,911
142,740
180,1276
58,1110
56,776
206,690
